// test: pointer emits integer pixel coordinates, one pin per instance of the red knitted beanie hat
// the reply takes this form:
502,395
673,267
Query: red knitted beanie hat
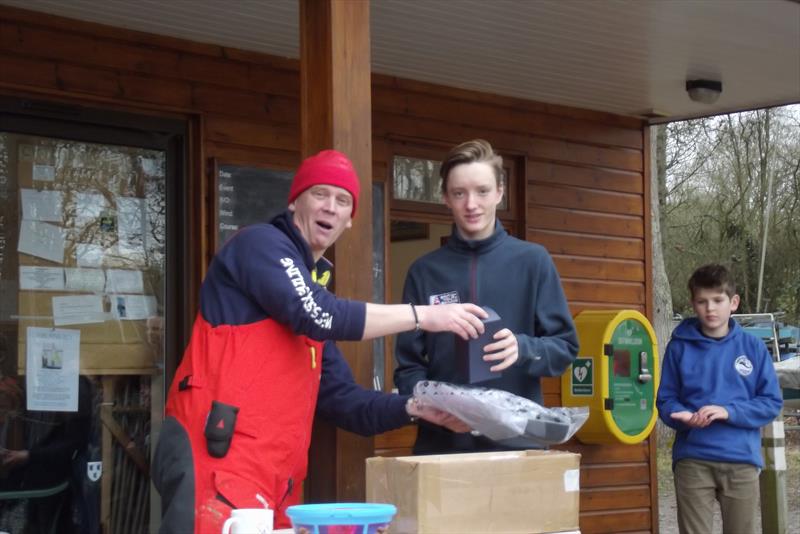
329,167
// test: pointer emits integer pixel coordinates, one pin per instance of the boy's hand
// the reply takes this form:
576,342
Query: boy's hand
683,416
702,417
504,350
713,413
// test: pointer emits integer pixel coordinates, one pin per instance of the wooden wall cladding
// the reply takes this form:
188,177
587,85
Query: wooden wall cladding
584,174
585,202
248,103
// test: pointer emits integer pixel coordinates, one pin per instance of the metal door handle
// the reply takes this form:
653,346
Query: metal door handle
644,373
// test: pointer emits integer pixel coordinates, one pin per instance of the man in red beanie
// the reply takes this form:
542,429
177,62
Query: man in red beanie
261,361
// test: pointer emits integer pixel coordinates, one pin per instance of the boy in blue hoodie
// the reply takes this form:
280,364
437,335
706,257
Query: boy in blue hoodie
718,388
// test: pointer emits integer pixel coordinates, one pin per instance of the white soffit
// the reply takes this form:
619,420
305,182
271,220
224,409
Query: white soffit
620,56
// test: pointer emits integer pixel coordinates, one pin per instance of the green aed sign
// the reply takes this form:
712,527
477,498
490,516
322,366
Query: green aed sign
582,379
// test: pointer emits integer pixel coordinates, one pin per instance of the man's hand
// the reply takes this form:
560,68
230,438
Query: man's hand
436,416
14,458
462,319
505,350
702,417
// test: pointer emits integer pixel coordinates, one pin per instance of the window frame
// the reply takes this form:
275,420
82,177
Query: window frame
430,211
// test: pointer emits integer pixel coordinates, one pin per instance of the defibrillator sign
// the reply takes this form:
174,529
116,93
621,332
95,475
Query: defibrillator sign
582,382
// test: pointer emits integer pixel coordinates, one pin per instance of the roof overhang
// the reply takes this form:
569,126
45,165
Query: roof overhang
625,57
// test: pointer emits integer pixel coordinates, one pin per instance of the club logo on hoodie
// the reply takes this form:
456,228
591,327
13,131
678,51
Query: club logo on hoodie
743,365
444,298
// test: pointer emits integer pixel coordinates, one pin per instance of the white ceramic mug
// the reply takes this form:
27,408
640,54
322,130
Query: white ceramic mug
249,521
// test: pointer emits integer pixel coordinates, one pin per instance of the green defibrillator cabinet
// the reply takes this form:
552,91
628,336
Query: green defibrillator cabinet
615,375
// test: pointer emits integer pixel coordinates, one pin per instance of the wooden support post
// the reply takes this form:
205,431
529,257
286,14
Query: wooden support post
335,107
772,481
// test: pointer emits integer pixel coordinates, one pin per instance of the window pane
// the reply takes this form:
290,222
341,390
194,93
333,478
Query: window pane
82,264
417,179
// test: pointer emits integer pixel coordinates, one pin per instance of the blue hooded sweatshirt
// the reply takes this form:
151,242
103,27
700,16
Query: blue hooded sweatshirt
735,372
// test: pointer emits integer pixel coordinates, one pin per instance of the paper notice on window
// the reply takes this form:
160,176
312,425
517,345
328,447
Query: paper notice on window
52,367
85,280
44,173
88,207
42,240
26,152
124,281
41,205
88,255
132,252
152,166
41,278
133,307
78,309
130,215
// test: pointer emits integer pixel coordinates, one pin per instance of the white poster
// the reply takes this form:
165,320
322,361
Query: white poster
124,281
78,309
41,205
131,229
133,307
42,240
44,173
130,214
78,279
41,278
52,367
88,206
88,255
132,252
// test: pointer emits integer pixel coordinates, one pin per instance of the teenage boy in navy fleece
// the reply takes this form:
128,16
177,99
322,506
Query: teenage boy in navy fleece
481,263
718,388
240,408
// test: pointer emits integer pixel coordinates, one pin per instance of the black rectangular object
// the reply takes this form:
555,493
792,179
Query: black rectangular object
470,367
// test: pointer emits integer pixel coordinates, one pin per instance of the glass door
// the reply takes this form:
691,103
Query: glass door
84,271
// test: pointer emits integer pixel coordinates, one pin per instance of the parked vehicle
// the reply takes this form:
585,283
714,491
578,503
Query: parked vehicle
782,341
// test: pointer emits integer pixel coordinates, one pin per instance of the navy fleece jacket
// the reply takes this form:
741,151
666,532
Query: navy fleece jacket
519,281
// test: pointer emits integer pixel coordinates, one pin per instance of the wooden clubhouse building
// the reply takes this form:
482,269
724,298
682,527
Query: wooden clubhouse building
188,103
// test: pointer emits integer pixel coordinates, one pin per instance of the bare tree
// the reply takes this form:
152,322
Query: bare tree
723,176
662,310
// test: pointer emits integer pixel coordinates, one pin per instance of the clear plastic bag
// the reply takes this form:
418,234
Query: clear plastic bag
502,416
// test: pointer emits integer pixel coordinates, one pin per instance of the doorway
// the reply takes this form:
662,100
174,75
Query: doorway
91,219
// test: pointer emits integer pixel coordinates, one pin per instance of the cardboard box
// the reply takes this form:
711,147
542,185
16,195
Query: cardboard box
499,492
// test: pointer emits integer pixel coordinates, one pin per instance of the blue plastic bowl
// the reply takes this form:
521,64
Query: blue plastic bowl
341,518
